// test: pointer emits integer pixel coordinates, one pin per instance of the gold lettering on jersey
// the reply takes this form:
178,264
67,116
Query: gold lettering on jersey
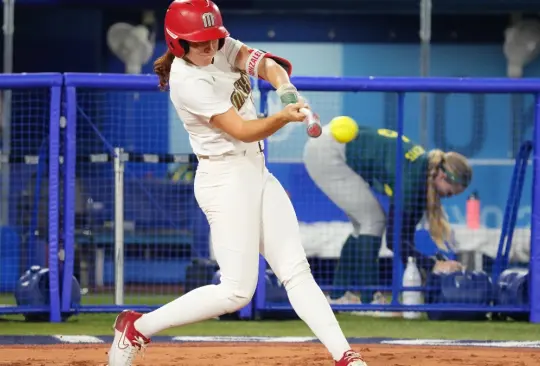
410,155
414,153
389,192
242,91
391,134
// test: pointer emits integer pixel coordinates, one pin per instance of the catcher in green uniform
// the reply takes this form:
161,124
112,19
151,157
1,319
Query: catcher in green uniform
350,173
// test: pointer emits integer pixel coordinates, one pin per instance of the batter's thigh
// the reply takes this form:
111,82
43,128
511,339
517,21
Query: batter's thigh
280,240
325,163
229,193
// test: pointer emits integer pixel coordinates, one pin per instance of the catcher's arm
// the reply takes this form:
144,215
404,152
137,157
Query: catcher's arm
408,248
425,263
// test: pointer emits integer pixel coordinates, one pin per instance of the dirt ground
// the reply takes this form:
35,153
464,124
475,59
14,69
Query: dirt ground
268,354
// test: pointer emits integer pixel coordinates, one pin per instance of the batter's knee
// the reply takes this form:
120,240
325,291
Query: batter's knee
297,274
235,295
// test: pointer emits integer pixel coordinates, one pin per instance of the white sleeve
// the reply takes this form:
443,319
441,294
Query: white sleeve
230,49
201,99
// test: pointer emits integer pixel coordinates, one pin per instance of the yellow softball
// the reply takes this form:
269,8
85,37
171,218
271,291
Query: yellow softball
344,129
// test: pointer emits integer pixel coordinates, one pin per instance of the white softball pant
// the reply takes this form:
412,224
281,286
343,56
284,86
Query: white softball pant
249,213
325,162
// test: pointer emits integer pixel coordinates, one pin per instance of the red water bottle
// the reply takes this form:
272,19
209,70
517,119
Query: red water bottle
473,211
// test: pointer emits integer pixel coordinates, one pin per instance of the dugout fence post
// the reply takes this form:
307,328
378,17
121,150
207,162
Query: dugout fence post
70,147
52,82
54,201
9,10
402,85
119,167
398,203
534,268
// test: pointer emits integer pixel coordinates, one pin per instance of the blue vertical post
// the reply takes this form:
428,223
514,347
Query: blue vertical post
398,207
534,283
54,156
70,156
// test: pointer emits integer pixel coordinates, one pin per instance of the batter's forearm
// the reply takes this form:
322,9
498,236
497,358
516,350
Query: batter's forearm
259,129
271,71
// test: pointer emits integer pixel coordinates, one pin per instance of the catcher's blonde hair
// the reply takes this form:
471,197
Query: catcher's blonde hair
457,165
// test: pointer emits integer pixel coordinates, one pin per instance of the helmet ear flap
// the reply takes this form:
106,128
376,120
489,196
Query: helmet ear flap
178,47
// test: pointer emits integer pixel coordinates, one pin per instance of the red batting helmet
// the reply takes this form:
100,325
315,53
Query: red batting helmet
193,21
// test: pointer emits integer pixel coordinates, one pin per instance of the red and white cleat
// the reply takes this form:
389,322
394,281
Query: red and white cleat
127,340
351,358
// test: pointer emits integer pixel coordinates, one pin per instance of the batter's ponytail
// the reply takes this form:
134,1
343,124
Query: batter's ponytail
162,68
439,228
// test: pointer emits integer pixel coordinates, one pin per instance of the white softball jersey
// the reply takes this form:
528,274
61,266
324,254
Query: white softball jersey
200,92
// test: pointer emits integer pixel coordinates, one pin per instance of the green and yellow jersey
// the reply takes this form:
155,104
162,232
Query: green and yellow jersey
372,155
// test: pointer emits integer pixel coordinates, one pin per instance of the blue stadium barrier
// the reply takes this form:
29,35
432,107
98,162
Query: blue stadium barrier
163,228
353,87
30,184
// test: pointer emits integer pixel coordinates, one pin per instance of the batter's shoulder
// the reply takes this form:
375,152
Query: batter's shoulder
193,89
185,73
192,83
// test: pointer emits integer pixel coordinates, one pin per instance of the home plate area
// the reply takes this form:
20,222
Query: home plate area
265,351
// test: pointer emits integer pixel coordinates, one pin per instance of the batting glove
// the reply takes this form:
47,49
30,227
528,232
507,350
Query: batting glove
288,94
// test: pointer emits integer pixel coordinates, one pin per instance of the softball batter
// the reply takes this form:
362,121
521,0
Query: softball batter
247,208
348,172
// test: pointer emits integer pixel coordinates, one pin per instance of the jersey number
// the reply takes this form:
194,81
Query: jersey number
410,155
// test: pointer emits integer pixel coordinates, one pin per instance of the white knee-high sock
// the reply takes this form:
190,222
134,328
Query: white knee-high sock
310,304
200,304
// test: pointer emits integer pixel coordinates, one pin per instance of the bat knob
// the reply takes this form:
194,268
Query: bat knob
314,129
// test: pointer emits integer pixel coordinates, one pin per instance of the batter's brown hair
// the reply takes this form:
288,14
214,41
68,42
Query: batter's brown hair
162,68
458,166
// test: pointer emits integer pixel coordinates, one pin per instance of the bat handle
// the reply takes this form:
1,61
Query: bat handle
314,128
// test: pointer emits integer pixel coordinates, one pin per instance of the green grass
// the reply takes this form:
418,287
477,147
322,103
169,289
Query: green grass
353,326
100,299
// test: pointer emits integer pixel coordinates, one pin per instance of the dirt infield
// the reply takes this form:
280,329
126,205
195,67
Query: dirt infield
268,354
